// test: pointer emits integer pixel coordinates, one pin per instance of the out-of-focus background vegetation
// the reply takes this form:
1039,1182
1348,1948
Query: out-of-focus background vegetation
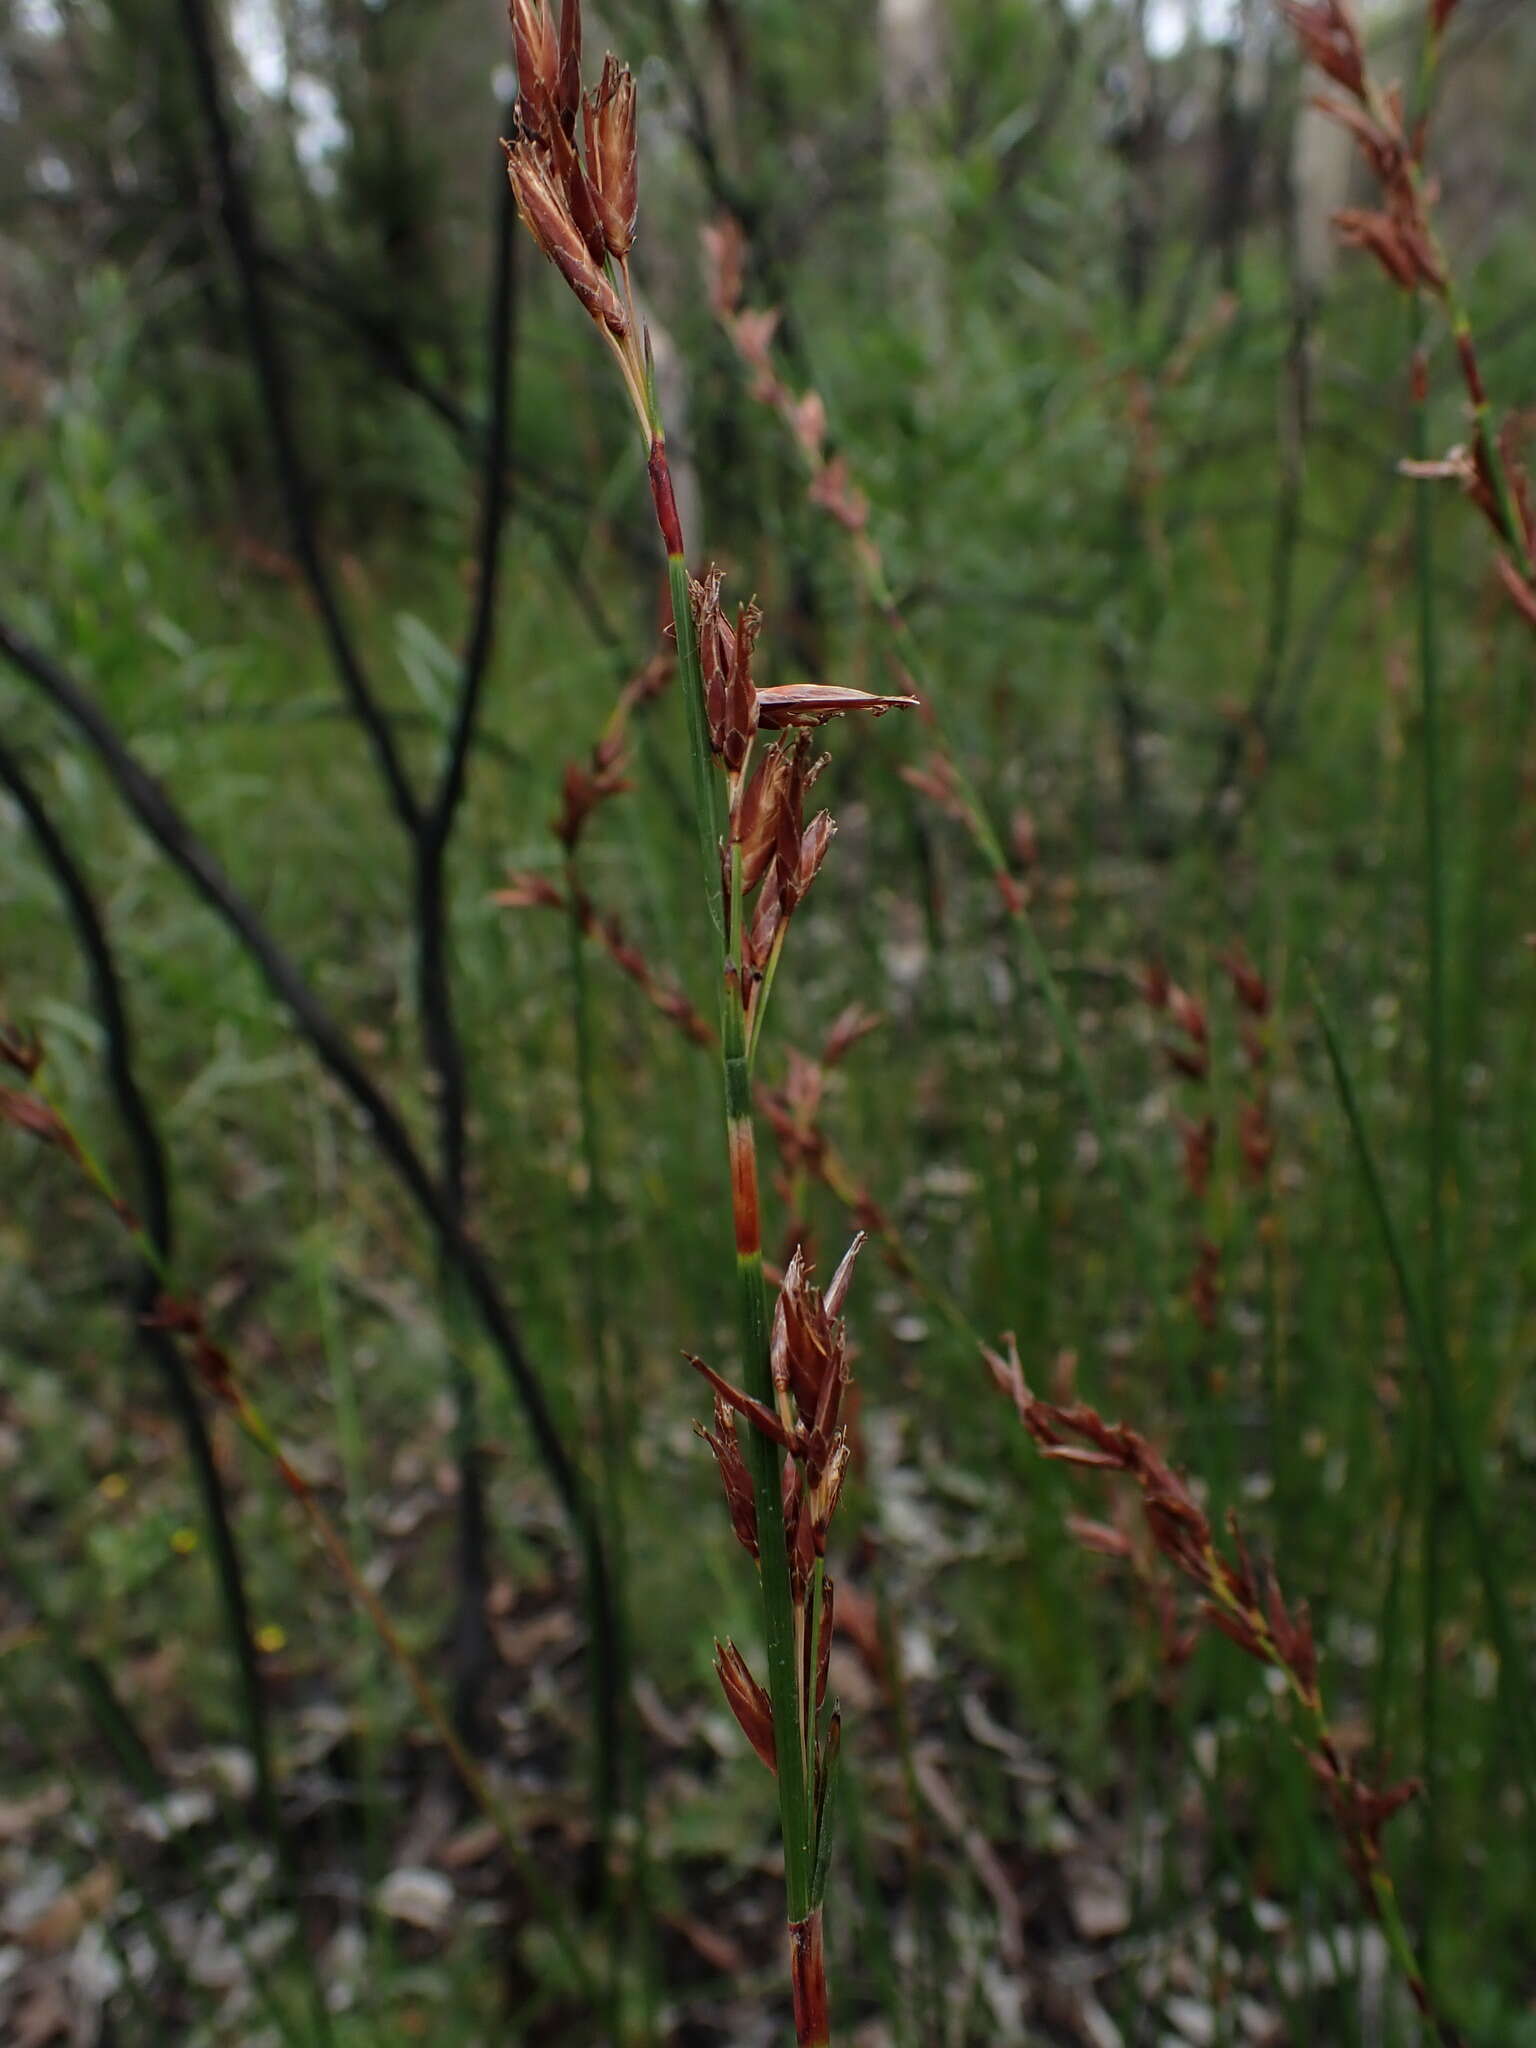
1128,426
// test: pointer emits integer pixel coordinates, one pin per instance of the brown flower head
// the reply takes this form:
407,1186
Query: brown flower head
537,49
747,1701
1326,31
805,705
609,112
725,658
735,1478
545,208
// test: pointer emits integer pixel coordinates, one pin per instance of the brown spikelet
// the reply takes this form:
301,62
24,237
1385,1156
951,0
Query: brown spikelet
30,1114
546,213
771,795
725,658
609,114
1522,591
20,1051
747,1701
734,1477
724,247
1326,31
848,1027
567,92
804,705
537,51
587,785
1399,245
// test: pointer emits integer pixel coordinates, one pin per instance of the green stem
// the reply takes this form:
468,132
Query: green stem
762,1455
1449,1421
1436,1137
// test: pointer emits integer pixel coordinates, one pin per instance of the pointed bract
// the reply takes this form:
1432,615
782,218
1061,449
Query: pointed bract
609,114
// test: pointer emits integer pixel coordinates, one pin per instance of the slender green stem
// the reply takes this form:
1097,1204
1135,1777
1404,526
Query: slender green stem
1436,1136
762,1455
1449,1420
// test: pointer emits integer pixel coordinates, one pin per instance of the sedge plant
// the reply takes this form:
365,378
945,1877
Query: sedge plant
778,1436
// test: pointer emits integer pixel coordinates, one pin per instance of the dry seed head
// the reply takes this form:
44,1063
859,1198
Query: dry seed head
807,1350
747,1701
586,787
805,705
833,489
1249,986
757,829
725,659
848,1027
525,891
735,1478
537,50
1326,31
545,212
31,1114
724,254
568,86
1399,245
581,200
814,841
20,1050
1383,146
609,112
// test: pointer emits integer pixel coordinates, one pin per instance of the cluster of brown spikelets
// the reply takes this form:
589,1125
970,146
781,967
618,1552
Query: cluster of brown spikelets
1400,234
1243,1600
1188,1054
810,1380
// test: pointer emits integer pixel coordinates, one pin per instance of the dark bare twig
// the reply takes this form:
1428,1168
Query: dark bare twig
434,982
158,815
154,1195
272,375
391,355
426,823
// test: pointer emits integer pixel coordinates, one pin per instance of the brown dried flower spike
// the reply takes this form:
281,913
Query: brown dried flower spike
581,213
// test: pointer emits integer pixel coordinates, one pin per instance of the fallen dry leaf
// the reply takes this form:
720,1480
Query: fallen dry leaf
60,1923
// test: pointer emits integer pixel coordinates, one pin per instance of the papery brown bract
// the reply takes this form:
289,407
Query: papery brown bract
735,1478
1329,38
536,47
20,1051
811,704
724,253
747,1701
567,93
544,209
609,115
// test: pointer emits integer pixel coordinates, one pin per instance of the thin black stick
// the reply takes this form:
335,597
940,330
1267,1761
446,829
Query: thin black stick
434,982
158,815
393,358
426,826
272,375
152,1175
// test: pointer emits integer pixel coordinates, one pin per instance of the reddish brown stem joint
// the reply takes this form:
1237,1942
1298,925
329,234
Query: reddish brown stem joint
808,1980
662,495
